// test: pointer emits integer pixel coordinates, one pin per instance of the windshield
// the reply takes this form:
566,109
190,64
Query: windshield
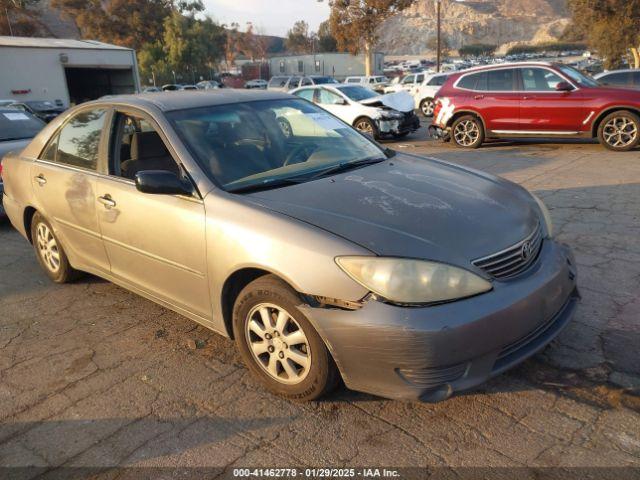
278,81
357,93
18,125
264,142
324,80
578,77
41,105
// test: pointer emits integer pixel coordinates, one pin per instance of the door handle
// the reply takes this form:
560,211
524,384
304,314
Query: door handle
40,179
478,97
107,201
528,98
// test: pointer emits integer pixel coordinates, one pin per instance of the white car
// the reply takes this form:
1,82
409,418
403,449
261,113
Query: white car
375,82
281,83
422,87
377,115
208,85
256,83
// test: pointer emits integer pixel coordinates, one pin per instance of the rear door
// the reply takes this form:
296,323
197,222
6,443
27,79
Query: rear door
546,111
64,181
494,95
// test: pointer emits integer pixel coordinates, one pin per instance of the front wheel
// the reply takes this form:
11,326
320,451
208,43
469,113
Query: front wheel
620,131
467,132
365,125
49,252
427,106
278,344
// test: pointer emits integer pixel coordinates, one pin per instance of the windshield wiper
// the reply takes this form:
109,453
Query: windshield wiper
267,185
345,166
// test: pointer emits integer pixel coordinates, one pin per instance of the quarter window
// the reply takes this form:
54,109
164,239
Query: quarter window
539,80
467,82
79,140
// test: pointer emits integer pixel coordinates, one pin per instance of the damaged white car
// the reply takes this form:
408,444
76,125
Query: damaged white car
381,116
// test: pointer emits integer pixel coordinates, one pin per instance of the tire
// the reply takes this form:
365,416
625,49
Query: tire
620,131
275,363
285,126
366,126
467,132
50,253
427,107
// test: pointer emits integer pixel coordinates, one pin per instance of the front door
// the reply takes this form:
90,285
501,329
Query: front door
154,242
64,181
335,104
546,111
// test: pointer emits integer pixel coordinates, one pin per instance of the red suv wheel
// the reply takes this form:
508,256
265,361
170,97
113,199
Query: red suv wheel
467,132
620,131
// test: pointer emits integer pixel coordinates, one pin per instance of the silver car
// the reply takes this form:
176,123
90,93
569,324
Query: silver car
322,254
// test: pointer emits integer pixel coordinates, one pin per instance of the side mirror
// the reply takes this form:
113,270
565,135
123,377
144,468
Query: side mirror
161,182
564,87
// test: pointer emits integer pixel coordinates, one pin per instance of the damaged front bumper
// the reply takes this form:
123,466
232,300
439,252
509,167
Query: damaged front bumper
400,126
428,353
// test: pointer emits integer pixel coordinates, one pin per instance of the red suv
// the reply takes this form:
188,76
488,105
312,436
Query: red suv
534,100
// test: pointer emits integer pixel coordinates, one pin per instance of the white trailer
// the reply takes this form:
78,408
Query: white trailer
67,71
337,65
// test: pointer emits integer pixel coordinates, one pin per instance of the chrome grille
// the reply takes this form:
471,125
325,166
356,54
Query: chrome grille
513,260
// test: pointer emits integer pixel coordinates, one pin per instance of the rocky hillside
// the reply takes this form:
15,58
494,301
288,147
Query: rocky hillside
498,22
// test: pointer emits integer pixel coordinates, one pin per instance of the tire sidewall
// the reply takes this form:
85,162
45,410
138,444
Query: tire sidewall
374,129
422,105
477,121
269,289
620,113
65,271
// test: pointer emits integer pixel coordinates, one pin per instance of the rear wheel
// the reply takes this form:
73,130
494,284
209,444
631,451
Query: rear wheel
620,131
467,132
278,344
427,107
49,252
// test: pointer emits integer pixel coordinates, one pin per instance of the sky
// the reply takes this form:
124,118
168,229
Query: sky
271,17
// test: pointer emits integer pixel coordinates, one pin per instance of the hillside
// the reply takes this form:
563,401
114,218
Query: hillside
500,22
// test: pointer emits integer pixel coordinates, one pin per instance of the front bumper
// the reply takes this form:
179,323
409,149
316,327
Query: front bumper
410,123
428,353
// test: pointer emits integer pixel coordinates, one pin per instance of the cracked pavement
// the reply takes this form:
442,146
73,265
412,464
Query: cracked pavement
94,376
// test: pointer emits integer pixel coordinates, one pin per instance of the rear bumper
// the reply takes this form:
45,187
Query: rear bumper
439,133
432,352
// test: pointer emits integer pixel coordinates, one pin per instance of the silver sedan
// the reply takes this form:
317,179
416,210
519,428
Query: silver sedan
322,254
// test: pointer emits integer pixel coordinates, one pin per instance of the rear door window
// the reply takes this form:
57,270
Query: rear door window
78,142
501,80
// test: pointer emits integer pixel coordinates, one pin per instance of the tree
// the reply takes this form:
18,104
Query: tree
326,41
130,23
611,27
298,39
354,23
445,46
16,18
477,50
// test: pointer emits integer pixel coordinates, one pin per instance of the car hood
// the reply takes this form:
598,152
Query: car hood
412,207
400,101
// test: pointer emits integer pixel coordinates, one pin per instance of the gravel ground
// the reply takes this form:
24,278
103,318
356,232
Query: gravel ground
94,376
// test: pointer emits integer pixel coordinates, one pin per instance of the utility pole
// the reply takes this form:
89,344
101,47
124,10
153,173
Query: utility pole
6,12
438,21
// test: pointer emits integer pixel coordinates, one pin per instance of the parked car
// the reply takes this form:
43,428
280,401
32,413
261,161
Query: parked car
6,102
423,88
17,129
281,83
257,83
322,254
376,82
44,110
151,90
170,87
188,87
544,100
380,116
209,85
629,78
297,82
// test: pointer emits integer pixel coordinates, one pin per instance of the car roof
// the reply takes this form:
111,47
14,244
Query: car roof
504,65
181,100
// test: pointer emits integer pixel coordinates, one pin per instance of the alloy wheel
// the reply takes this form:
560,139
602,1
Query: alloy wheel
48,247
278,343
466,133
428,107
620,132
364,126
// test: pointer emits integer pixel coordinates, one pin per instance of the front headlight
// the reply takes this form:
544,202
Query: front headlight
391,115
546,216
408,281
